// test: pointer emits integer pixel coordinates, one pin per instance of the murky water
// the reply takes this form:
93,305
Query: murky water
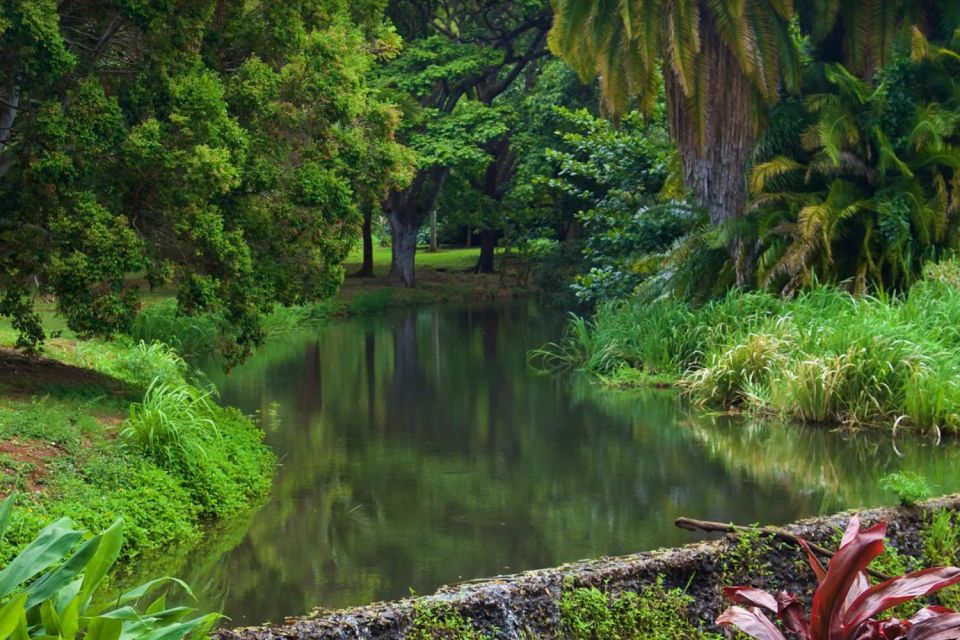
418,449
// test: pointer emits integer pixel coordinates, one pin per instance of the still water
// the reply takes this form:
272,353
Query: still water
418,449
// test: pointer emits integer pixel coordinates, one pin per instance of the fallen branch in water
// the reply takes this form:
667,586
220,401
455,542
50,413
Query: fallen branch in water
691,524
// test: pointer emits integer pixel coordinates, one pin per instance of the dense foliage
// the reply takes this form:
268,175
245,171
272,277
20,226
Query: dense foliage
224,147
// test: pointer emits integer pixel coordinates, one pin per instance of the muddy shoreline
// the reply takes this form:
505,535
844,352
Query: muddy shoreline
524,605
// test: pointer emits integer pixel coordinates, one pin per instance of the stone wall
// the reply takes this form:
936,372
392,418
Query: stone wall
524,605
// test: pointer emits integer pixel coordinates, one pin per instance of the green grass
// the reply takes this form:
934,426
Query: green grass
822,357
451,259
102,431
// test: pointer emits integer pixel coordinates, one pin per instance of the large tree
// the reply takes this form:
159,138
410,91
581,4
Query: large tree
721,64
220,145
461,56
718,60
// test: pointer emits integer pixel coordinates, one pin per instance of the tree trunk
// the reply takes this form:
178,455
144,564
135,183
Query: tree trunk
497,175
366,269
714,153
488,244
404,232
469,237
8,111
406,211
433,230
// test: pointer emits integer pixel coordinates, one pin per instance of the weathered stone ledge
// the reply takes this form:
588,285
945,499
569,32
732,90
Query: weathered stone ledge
524,605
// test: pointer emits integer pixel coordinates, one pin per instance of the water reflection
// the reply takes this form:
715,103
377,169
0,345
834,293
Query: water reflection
417,449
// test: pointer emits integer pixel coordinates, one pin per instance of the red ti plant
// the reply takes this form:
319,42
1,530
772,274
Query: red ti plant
845,604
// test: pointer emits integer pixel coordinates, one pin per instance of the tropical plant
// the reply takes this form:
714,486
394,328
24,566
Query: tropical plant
715,60
50,590
877,189
845,604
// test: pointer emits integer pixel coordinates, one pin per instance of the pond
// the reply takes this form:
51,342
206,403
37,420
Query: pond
418,449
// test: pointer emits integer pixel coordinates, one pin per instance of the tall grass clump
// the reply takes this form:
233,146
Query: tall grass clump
824,356
217,452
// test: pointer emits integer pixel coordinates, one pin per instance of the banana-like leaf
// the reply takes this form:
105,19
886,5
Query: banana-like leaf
101,628
48,585
5,508
108,551
10,615
51,544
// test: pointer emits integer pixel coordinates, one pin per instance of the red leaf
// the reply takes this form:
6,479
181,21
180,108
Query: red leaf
791,614
857,551
752,597
752,622
942,627
818,569
929,612
896,591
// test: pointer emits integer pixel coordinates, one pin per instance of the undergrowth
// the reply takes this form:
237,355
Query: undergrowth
177,458
654,613
824,356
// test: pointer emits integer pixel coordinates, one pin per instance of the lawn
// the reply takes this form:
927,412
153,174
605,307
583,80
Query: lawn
450,259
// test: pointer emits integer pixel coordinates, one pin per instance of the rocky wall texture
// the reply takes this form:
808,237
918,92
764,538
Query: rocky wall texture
524,605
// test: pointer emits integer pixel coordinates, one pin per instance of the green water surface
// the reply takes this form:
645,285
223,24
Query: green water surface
418,449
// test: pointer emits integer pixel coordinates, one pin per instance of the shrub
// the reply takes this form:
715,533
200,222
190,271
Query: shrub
909,487
845,605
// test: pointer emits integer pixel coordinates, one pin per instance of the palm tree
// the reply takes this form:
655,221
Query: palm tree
864,34
720,60
876,194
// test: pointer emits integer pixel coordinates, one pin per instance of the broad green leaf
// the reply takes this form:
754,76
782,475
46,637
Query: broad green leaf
10,615
101,628
51,544
5,508
51,583
147,587
70,620
107,553
157,605
51,621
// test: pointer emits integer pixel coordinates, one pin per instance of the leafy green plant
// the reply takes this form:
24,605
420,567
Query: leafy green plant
909,487
845,604
50,589
941,541
440,622
171,423
654,613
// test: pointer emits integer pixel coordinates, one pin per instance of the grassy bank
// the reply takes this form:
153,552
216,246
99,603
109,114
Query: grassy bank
96,431
822,357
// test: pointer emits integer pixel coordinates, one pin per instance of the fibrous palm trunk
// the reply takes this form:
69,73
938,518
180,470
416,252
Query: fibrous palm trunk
716,131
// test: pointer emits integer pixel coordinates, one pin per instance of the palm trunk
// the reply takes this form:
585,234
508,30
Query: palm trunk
715,154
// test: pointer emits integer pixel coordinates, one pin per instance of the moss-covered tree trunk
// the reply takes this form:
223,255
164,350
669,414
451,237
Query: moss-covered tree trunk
716,146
